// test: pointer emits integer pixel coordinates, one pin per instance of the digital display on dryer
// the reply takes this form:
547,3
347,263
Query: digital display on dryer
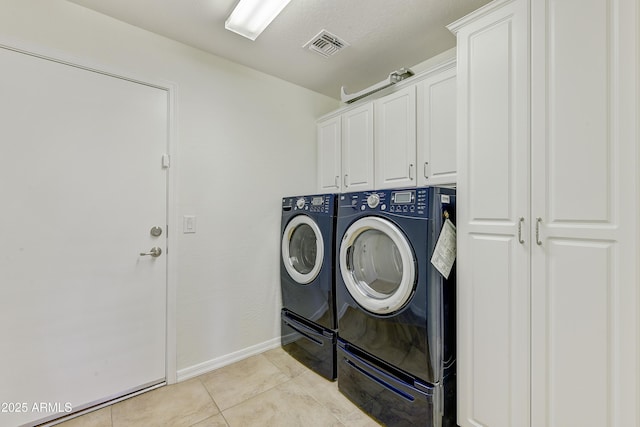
403,197
317,201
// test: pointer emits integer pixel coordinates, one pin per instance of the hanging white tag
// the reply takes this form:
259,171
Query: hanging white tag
444,254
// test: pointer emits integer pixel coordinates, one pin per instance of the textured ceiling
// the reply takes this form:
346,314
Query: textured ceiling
383,35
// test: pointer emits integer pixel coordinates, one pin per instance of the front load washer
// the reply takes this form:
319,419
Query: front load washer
396,312
308,281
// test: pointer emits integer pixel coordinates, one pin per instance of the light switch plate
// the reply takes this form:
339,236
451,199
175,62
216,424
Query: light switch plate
188,224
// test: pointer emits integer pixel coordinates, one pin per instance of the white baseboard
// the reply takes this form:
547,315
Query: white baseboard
210,365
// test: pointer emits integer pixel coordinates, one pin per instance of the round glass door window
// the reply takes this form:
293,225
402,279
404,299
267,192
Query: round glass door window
302,249
377,265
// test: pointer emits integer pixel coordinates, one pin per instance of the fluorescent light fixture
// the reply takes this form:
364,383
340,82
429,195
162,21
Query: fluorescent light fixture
251,17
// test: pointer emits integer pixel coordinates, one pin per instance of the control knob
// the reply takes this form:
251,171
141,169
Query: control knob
373,200
300,203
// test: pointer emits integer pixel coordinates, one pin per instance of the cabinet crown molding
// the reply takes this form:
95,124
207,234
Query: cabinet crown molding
477,14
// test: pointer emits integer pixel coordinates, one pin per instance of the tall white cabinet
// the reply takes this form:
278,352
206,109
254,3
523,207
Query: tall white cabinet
548,291
493,266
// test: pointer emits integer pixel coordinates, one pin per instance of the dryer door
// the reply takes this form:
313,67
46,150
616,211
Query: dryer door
377,265
302,249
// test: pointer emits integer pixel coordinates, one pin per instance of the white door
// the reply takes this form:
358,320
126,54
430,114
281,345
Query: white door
377,265
395,139
302,249
81,181
436,113
493,241
584,178
329,155
357,149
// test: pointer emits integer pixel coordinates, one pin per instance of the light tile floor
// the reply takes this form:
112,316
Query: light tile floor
270,389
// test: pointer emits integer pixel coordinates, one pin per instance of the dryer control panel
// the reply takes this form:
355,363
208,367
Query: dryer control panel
409,202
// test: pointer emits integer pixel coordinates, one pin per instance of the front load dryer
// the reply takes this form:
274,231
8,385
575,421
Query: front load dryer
396,312
308,282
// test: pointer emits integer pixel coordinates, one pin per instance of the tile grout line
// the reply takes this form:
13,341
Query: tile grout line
256,395
307,369
291,378
199,377
252,397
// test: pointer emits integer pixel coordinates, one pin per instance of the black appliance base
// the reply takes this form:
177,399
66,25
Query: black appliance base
311,344
387,394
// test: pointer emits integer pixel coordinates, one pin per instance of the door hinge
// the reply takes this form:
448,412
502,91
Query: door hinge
166,161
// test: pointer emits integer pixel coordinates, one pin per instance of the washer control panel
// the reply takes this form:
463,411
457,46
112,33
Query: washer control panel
321,203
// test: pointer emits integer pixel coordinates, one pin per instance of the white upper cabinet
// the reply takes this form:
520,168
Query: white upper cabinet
395,139
345,151
403,139
357,149
547,224
329,155
436,113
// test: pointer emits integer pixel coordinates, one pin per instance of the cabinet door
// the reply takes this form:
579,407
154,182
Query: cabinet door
329,155
584,183
395,139
436,115
357,149
493,198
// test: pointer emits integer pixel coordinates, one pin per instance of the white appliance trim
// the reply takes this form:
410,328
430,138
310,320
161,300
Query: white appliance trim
295,222
405,289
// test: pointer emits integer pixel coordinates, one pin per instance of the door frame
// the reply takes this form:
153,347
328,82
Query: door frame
62,57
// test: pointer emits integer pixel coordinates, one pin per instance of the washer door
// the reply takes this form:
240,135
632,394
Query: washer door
302,249
377,265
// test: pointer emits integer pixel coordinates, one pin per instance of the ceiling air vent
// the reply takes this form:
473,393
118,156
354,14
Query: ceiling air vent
326,44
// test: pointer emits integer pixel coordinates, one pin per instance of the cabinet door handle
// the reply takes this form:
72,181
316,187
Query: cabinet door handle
538,221
337,181
426,175
346,184
520,230
411,171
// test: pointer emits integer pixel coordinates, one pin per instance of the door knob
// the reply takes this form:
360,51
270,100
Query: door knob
154,252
